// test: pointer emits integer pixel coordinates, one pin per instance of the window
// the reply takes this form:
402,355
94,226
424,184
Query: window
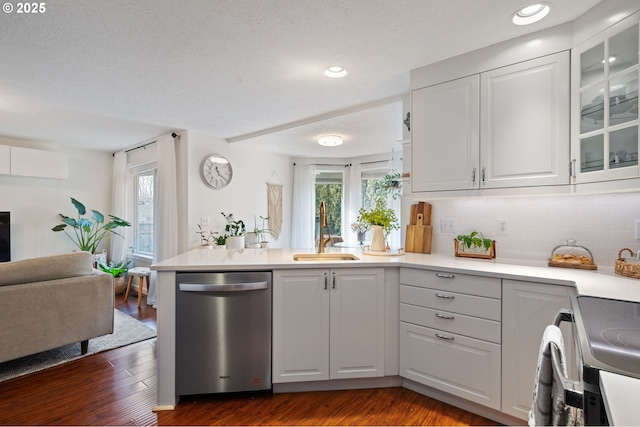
330,188
144,206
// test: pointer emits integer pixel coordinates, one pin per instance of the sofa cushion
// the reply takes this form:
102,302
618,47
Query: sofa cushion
54,267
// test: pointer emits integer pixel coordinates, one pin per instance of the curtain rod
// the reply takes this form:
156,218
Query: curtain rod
325,164
140,146
173,134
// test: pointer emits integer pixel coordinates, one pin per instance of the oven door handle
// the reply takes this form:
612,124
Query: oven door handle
563,315
573,392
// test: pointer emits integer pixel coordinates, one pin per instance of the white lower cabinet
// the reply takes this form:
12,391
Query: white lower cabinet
450,333
456,364
527,309
328,324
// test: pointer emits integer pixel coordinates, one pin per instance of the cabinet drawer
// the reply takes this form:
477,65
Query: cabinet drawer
471,305
469,326
460,366
453,282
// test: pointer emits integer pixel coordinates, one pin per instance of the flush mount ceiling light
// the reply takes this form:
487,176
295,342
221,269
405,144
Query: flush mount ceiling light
335,71
330,140
530,14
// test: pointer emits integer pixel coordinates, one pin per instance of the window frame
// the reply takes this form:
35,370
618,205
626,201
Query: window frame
148,169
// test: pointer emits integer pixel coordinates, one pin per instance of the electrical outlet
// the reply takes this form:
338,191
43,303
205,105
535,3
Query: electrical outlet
503,226
637,229
448,225
204,221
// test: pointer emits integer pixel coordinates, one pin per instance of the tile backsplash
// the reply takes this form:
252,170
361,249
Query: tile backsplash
604,223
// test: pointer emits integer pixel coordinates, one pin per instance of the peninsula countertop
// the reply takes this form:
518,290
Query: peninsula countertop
600,283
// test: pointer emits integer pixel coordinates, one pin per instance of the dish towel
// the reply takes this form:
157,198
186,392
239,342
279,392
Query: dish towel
549,408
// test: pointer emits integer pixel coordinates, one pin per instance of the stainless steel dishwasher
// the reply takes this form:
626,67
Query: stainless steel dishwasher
223,332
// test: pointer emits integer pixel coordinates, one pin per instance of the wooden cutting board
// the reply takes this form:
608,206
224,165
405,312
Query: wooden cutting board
418,236
420,208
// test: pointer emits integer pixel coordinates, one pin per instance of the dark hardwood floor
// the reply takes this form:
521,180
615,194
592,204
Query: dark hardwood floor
117,387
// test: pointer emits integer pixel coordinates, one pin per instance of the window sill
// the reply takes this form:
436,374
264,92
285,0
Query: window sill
140,257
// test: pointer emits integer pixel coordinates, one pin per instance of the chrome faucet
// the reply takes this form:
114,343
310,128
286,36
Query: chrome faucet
322,241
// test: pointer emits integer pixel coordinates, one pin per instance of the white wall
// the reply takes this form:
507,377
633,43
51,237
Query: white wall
245,196
35,203
604,223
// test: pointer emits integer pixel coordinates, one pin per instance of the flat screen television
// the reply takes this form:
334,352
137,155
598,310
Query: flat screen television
5,236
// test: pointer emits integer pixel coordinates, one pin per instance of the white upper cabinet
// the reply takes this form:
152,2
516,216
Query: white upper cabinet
605,142
525,124
445,133
503,128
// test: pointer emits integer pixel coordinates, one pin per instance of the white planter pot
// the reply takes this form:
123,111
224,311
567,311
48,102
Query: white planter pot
235,242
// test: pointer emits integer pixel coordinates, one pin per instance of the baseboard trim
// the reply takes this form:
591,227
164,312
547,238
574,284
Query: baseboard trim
350,384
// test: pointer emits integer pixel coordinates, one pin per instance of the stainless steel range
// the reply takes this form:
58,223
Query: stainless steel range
607,334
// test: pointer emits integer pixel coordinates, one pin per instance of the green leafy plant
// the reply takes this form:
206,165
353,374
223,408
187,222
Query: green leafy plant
474,240
220,240
116,269
379,215
233,227
205,236
261,232
89,232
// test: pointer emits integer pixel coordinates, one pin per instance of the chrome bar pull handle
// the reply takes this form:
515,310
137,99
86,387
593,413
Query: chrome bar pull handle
444,317
444,337
326,280
443,296
445,276
333,279
473,176
484,180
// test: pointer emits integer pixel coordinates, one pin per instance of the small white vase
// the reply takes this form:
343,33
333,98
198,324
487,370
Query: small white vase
235,242
377,242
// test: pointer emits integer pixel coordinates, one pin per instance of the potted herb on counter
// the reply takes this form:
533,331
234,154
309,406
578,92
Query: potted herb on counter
235,230
474,245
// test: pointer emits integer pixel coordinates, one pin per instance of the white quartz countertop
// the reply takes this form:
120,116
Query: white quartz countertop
600,283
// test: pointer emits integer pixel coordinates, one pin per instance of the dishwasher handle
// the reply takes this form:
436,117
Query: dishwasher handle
222,287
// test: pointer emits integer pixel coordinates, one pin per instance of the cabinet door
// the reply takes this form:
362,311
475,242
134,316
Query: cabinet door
300,325
527,310
357,323
444,136
604,134
525,124
456,364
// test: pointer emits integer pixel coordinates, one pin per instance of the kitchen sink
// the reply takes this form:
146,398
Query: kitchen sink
327,256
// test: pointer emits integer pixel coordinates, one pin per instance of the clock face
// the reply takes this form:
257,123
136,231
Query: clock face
216,171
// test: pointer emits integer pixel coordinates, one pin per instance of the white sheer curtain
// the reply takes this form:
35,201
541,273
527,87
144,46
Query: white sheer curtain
119,205
354,201
166,224
304,198
395,237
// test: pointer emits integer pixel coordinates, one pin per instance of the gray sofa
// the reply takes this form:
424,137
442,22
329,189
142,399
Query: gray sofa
53,301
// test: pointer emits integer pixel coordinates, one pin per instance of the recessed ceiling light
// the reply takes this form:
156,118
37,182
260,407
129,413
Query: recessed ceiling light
530,14
330,140
335,71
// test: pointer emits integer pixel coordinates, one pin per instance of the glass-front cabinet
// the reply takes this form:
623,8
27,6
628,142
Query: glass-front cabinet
605,105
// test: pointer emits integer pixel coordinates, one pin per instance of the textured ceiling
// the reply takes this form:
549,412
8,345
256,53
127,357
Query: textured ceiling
109,74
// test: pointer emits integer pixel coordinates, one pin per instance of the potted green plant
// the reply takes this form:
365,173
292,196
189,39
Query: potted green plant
220,240
474,245
89,232
382,220
235,230
117,270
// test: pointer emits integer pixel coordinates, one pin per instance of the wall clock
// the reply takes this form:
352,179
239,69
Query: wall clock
216,171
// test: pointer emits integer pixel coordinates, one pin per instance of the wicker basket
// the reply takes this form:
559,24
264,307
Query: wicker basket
627,268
